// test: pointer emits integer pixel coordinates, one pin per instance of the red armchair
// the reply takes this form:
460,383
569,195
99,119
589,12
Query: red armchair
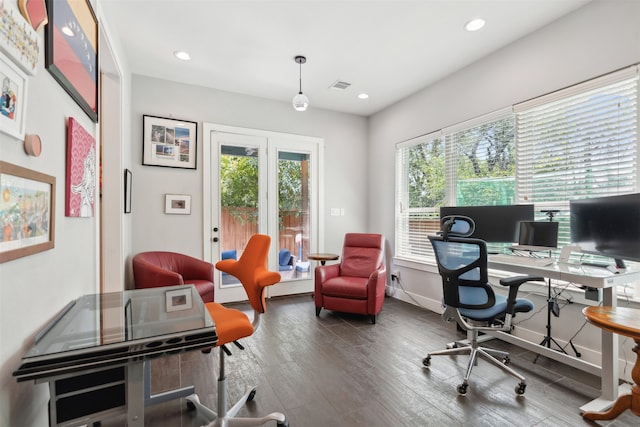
154,269
357,283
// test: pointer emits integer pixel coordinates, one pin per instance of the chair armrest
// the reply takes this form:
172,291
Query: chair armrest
514,284
194,268
325,272
147,275
377,281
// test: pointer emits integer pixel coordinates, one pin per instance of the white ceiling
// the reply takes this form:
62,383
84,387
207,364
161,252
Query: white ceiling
388,49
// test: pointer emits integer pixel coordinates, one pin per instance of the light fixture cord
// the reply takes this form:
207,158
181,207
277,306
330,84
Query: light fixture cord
300,63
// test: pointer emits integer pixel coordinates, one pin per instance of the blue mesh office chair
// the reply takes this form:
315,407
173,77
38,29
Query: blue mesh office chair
469,298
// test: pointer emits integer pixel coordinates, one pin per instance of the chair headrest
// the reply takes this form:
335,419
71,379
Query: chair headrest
457,226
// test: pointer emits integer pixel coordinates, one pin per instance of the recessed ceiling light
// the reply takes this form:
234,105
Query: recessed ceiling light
182,55
363,95
474,24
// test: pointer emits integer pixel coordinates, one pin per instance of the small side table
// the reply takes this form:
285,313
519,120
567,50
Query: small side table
623,321
323,257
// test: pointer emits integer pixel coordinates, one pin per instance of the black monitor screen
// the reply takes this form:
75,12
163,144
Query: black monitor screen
495,224
608,226
538,233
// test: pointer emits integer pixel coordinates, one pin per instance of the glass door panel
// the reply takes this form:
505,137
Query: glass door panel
241,171
293,215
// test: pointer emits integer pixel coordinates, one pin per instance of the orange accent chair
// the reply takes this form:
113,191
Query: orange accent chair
357,283
157,268
232,325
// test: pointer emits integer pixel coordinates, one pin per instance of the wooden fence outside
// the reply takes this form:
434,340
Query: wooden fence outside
236,229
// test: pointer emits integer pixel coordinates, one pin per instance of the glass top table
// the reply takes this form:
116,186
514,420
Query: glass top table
118,328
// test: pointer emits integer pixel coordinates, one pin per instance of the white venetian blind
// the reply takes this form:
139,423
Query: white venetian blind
580,142
419,187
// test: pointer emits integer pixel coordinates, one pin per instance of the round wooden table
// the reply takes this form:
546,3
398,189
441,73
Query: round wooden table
623,321
323,257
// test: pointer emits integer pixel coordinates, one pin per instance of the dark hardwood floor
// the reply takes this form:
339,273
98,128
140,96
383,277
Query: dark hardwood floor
340,370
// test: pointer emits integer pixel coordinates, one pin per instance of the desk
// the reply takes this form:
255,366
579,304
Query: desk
95,352
624,321
323,257
594,277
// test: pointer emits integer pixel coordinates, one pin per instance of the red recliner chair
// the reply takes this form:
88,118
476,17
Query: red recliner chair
357,283
157,268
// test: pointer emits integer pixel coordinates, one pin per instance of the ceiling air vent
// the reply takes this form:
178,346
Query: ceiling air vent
340,85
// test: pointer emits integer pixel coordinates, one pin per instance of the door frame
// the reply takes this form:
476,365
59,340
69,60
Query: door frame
316,238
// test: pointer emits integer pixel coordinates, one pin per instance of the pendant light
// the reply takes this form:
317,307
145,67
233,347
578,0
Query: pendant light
300,101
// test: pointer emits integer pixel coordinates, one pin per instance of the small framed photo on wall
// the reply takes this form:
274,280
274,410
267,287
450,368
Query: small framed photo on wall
179,204
179,299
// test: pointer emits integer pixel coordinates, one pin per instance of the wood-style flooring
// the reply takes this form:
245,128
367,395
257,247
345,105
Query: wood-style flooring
340,370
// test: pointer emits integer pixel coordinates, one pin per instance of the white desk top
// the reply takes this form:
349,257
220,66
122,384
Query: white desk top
596,277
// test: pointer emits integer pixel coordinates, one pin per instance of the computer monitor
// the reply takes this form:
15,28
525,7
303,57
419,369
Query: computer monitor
538,233
607,226
494,224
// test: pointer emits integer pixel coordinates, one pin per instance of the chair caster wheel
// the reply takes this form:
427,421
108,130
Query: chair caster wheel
283,424
462,389
251,395
520,388
426,362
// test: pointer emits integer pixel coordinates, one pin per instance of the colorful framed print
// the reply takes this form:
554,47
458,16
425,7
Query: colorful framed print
80,189
35,12
27,211
13,100
177,204
169,142
71,51
18,40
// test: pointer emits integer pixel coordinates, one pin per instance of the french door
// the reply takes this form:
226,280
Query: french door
261,182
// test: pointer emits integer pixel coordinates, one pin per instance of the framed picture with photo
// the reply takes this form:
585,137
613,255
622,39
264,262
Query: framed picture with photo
13,100
169,142
27,211
177,204
179,299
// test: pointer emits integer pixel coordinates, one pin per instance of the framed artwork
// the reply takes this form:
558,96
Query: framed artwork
128,178
179,299
13,100
71,51
18,40
80,188
35,12
169,142
177,204
27,211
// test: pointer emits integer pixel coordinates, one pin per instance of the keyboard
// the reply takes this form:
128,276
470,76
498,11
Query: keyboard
521,260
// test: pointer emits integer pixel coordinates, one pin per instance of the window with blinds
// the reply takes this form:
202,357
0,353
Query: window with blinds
576,143
420,190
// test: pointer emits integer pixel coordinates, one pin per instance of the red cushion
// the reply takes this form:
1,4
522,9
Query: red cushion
346,287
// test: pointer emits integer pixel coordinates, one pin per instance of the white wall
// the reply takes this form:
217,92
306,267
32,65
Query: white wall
599,38
345,139
34,288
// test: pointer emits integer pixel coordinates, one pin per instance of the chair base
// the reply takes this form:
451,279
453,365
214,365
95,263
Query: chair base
372,317
230,419
496,357
227,417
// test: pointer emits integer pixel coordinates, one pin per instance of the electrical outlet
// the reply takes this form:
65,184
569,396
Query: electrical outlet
395,275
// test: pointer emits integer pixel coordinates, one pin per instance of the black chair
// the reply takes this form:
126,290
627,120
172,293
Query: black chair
469,298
